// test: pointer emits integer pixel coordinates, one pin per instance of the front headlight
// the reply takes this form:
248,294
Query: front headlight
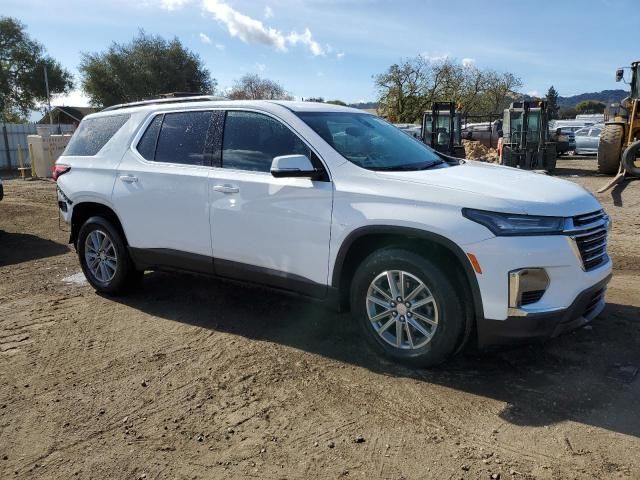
511,224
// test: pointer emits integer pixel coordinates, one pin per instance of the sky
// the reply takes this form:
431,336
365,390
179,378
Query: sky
333,48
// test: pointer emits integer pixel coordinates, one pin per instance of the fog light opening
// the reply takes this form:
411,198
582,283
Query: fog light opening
527,286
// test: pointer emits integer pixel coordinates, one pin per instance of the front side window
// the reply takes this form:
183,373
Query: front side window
93,134
252,140
370,142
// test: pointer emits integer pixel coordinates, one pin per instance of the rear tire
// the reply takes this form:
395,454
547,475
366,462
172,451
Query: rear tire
430,330
610,149
104,257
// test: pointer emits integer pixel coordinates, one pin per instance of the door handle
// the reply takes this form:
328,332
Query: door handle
128,178
226,188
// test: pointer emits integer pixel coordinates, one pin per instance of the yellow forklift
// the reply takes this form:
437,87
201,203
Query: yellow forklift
441,129
619,147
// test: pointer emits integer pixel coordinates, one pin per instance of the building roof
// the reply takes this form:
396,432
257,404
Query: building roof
75,114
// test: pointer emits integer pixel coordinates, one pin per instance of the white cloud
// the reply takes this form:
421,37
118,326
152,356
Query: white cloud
438,57
173,4
340,55
75,98
261,67
251,30
533,93
219,46
467,62
247,29
204,38
268,13
306,39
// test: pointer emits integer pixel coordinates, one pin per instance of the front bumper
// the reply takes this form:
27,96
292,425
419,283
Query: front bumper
539,326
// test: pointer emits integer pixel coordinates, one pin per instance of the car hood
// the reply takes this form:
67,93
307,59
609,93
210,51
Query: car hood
506,189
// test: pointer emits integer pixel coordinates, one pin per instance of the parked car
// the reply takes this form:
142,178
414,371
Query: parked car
565,140
587,140
487,133
332,203
561,139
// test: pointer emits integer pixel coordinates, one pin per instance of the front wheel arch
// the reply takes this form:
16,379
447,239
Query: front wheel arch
364,240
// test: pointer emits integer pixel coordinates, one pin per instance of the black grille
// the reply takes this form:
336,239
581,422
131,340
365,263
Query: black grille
590,235
531,297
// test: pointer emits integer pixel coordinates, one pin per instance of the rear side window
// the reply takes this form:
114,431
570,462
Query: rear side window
183,138
93,134
252,140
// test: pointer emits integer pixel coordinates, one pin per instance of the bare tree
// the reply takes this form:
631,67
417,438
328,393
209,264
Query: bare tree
253,87
407,89
500,90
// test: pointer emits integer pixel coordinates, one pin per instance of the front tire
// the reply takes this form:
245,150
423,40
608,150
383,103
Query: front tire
407,307
104,257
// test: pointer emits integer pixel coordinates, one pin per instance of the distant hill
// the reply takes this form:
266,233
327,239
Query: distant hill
605,96
364,105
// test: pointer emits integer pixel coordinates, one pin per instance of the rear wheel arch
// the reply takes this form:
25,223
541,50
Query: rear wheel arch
85,210
365,240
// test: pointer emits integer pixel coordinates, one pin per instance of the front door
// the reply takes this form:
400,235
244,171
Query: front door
266,229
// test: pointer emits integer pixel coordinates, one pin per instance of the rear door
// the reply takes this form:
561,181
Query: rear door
162,189
266,229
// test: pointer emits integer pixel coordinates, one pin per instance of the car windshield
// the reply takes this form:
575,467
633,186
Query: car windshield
583,132
370,142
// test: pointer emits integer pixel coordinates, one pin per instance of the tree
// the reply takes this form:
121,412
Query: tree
566,113
407,89
590,106
314,99
501,90
253,87
22,64
552,100
337,102
146,67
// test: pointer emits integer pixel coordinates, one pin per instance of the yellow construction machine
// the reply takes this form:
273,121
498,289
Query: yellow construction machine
619,148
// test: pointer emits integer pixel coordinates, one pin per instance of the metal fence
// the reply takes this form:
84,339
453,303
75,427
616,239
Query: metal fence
13,135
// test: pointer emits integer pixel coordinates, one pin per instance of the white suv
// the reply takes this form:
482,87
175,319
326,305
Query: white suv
328,202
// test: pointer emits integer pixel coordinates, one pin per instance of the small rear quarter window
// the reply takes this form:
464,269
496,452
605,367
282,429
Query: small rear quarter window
147,144
93,134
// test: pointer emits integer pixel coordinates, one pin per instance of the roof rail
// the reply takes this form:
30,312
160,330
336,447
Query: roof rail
162,101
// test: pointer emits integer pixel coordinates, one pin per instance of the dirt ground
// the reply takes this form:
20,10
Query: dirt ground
192,378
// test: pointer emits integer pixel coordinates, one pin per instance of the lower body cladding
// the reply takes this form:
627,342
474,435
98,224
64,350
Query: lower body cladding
539,326
534,288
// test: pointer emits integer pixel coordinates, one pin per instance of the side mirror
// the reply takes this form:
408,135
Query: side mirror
619,75
294,166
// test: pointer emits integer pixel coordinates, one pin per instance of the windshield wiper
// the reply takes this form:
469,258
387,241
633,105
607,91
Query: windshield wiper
408,167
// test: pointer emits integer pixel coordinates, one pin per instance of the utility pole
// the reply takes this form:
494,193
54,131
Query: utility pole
46,84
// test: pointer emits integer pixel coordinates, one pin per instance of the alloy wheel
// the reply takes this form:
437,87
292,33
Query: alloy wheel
100,255
402,310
